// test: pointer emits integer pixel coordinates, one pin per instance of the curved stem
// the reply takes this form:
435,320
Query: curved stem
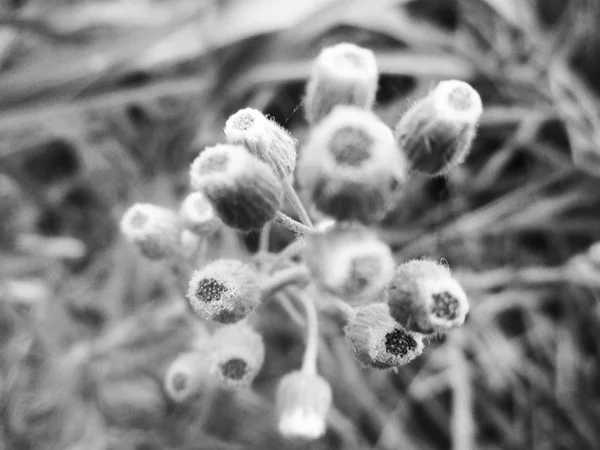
309,362
265,234
293,249
292,196
291,224
291,275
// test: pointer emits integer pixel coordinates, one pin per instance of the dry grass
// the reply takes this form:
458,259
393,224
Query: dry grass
106,103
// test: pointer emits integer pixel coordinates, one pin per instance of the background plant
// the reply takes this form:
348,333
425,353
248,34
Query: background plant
514,223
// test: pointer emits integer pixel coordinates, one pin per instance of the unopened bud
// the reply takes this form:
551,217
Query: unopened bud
224,291
343,74
244,191
378,341
154,229
237,357
351,167
437,133
424,297
187,376
349,260
264,138
303,401
198,215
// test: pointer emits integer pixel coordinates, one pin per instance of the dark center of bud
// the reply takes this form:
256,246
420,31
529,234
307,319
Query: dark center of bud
445,306
210,290
243,121
234,369
398,342
363,271
179,382
350,146
138,219
460,98
216,163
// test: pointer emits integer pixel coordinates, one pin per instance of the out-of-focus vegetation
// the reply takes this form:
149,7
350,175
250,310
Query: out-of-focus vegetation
103,103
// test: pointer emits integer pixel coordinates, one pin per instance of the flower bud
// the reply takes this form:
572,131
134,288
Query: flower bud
303,401
187,375
154,229
237,357
424,297
264,138
244,191
198,215
349,260
343,74
351,167
224,291
380,342
436,134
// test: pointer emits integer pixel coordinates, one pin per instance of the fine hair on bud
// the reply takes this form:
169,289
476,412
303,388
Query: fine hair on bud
343,74
350,166
378,341
303,401
244,191
437,133
264,138
187,376
225,291
424,297
349,261
237,355
198,215
153,229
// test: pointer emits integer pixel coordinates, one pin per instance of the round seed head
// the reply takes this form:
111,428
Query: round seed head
303,402
349,261
237,357
198,215
344,74
264,138
378,341
243,191
350,166
424,297
187,376
437,133
224,291
155,230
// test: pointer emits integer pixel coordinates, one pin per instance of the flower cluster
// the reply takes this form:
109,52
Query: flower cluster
350,171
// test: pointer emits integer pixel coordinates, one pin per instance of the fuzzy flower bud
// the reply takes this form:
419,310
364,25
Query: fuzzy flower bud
187,375
198,215
350,166
237,357
154,229
436,134
344,74
303,401
426,298
378,341
349,260
244,191
264,138
224,291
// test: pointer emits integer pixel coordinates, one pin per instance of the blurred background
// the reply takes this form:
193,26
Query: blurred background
105,103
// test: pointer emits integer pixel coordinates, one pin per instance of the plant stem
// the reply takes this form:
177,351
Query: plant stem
294,248
265,234
291,224
309,362
292,196
291,275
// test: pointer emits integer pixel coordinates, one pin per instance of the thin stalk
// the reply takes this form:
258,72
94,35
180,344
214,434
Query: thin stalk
309,362
293,249
265,234
291,224
277,281
292,196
